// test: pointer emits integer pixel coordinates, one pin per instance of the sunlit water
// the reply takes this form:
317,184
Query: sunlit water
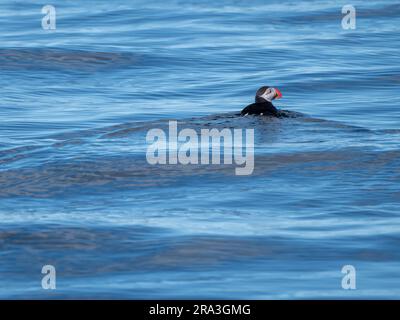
76,191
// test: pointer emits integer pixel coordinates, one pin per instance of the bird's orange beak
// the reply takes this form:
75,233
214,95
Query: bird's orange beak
278,93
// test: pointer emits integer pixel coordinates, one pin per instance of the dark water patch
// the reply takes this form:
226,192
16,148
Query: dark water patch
334,14
53,59
141,249
128,255
116,174
386,11
8,156
17,150
64,170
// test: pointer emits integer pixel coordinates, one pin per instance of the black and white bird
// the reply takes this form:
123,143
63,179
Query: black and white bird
263,105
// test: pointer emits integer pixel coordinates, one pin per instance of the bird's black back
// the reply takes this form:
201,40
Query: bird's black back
265,108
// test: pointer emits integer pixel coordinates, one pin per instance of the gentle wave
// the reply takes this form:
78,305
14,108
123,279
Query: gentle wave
63,59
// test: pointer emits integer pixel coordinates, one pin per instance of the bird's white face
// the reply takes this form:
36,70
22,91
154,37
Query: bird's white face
271,94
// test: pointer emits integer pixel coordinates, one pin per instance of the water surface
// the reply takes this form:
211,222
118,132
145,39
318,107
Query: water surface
76,191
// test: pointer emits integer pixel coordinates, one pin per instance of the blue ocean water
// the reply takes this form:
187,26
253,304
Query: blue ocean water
77,193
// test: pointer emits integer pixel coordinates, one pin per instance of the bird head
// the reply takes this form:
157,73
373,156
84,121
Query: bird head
267,94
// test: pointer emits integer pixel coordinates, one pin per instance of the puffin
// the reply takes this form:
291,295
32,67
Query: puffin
263,105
